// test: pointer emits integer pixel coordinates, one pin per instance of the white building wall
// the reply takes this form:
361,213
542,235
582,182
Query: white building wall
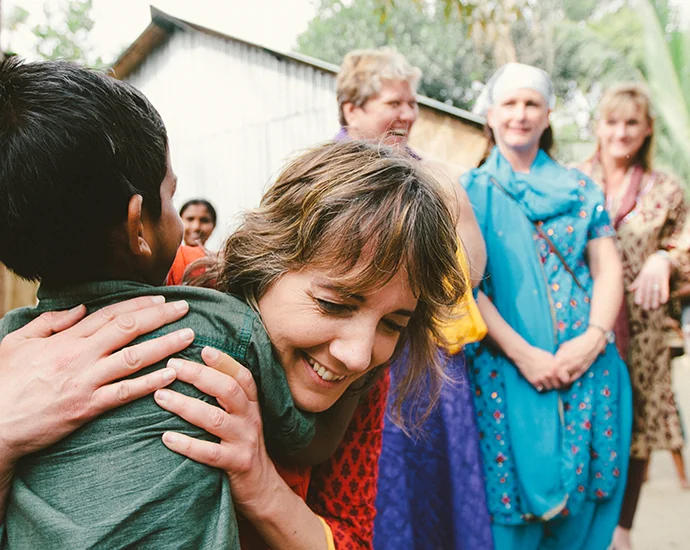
234,114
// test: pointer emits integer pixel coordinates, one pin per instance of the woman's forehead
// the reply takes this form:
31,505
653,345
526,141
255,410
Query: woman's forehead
623,107
522,94
363,277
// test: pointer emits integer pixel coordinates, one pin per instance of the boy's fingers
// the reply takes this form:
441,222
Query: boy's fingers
227,365
113,395
102,317
125,327
131,359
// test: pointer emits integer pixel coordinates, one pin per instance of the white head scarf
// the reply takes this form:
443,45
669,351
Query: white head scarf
511,77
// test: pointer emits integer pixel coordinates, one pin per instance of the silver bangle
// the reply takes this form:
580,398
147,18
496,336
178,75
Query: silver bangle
609,335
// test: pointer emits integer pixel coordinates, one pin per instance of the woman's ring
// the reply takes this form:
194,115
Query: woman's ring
655,286
540,389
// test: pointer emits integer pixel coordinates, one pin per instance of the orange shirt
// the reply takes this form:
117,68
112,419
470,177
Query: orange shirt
184,257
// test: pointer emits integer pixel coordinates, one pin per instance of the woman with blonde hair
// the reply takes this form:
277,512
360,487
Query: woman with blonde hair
552,395
649,212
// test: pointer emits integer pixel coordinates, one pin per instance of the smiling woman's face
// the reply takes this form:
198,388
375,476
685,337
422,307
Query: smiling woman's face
325,339
621,132
388,116
518,120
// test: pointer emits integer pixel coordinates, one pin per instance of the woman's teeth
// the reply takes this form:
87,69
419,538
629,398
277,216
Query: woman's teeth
322,372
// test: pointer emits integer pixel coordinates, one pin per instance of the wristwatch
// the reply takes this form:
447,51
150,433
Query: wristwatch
608,334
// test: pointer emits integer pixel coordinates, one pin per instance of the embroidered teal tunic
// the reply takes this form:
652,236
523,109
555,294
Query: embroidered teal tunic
546,454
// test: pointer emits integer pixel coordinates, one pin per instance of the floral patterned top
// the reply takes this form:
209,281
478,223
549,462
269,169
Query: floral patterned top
658,221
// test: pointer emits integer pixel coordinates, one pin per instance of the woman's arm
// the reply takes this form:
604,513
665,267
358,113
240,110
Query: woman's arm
607,273
259,493
57,372
471,236
652,284
538,366
466,225
578,354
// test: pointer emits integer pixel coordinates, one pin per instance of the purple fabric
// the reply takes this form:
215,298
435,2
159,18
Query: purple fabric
431,493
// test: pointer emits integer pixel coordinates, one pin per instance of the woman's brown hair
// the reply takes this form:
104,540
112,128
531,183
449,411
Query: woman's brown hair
360,211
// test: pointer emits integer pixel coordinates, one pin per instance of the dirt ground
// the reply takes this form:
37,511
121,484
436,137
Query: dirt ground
663,517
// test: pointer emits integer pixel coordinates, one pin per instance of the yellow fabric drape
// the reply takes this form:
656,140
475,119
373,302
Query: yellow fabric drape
467,324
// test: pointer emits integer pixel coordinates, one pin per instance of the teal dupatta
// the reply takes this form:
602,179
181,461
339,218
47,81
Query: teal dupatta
518,286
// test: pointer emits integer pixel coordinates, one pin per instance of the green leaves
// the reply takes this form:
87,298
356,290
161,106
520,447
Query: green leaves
666,59
63,33
439,46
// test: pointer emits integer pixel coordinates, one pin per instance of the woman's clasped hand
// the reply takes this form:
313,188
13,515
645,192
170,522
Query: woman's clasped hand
548,371
651,287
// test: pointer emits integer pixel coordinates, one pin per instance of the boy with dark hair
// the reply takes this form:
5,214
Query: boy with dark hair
86,207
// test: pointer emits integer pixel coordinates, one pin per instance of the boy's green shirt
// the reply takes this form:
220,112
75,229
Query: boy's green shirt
112,483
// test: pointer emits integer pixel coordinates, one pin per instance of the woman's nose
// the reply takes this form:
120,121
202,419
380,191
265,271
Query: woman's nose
621,130
408,114
354,349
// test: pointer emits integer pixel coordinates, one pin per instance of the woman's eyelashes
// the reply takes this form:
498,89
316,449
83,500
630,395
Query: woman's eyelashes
393,326
335,308
330,307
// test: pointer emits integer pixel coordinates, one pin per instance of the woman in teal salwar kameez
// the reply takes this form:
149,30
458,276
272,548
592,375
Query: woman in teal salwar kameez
552,395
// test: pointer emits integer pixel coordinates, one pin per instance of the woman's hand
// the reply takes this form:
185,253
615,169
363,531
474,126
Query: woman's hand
281,517
576,355
540,368
58,372
241,452
651,287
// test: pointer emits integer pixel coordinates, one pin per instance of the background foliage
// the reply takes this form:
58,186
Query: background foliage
585,45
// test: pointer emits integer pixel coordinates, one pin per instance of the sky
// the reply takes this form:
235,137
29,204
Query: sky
272,23
117,23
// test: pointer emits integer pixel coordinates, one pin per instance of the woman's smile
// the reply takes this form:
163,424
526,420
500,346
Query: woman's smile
323,372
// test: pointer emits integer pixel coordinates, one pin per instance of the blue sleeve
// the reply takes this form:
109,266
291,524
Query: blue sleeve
600,225
599,220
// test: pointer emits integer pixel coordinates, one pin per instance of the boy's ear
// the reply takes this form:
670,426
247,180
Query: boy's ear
135,228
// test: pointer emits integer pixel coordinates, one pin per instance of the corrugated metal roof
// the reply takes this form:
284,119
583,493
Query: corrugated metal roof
163,25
